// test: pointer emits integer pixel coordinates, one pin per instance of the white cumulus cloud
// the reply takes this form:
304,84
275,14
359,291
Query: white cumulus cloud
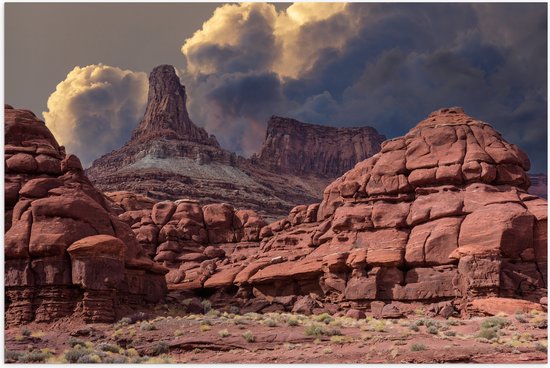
95,109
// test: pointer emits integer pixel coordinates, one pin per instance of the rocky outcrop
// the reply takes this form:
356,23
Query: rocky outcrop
169,158
66,252
440,215
166,114
192,241
294,147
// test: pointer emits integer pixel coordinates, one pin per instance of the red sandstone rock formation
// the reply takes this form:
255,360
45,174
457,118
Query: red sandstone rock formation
166,114
439,215
66,252
169,157
294,147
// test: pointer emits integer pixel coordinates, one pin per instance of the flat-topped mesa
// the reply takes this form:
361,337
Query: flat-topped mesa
294,147
166,114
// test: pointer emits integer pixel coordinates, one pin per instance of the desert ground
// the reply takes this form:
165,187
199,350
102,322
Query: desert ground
167,334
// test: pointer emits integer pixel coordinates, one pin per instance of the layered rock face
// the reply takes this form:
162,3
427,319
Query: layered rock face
169,157
166,113
440,215
294,147
66,252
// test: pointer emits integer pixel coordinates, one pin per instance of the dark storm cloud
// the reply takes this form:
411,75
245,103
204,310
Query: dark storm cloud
385,65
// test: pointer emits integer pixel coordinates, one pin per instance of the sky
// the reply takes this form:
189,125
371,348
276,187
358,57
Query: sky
84,67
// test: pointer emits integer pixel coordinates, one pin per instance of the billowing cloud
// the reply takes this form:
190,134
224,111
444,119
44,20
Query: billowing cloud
385,65
95,109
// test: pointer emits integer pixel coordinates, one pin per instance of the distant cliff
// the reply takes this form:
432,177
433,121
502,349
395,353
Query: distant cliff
294,147
169,157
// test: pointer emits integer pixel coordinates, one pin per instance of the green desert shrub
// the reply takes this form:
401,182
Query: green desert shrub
487,333
159,348
333,332
115,359
74,354
494,322
414,327
35,356
223,333
109,347
418,347
292,321
206,306
89,358
314,330
146,326
249,337
325,318
12,355
432,330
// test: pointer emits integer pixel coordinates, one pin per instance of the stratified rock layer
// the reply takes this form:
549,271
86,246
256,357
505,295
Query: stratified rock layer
66,252
440,216
294,147
169,157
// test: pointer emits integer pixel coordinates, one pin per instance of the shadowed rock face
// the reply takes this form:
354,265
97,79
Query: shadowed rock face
169,157
440,215
539,185
294,147
66,253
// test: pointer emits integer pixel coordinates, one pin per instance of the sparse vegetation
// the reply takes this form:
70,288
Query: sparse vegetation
487,333
378,325
540,347
89,358
123,322
489,328
146,326
74,341
520,318
26,332
249,337
292,321
324,318
205,327
452,322
337,339
494,322
109,347
206,305
159,348
314,330
333,332
11,355
223,333
418,347
75,354
449,333
269,322
35,356
414,328
432,330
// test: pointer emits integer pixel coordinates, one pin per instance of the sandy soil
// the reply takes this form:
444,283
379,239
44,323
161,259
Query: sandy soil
171,336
